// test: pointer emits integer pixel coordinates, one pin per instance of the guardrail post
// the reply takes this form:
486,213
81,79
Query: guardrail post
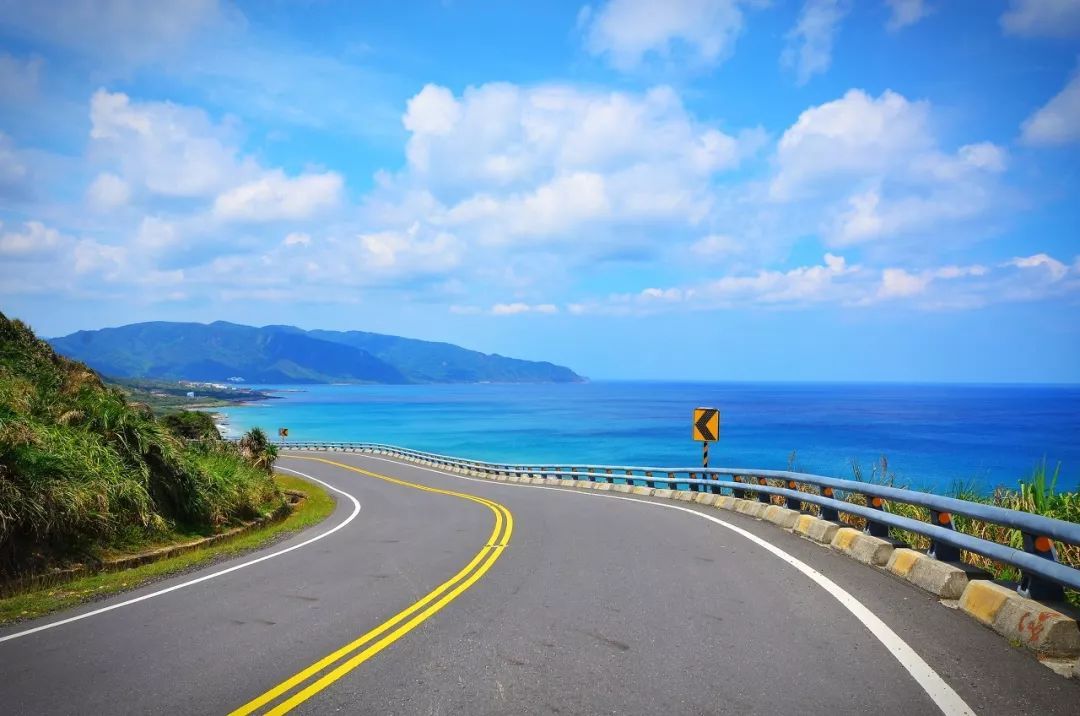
739,494
876,529
939,550
648,481
830,514
793,503
1032,586
714,489
763,496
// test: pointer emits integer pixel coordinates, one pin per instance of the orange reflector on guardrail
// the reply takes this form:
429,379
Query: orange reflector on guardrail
944,518
1043,544
877,502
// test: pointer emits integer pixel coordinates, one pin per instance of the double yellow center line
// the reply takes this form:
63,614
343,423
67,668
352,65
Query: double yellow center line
310,681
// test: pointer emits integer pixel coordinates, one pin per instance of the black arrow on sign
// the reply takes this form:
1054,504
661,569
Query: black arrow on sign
702,424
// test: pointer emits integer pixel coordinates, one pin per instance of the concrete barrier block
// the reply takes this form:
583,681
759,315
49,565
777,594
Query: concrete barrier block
502,478
585,484
684,495
550,481
514,478
872,550
642,490
603,486
568,482
705,498
662,492
781,516
1037,627
816,529
945,580
621,488
725,502
752,508
863,547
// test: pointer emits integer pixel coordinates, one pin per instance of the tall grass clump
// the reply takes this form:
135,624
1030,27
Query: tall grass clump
1036,493
81,467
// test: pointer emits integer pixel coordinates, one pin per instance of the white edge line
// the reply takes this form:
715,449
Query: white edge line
931,682
173,588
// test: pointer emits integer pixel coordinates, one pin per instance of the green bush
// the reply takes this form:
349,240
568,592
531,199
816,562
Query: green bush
191,425
80,466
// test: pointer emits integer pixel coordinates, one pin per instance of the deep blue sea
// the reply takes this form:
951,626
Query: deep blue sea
932,435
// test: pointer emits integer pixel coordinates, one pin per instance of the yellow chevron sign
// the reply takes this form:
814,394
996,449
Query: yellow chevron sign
706,424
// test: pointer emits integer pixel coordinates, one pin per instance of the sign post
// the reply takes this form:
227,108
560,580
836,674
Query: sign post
706,429
282,433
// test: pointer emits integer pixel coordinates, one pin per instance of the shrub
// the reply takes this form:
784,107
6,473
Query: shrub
80,466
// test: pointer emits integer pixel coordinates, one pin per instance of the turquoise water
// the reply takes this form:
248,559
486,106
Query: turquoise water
932,435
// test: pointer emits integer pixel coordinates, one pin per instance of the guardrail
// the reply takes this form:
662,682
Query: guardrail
1043,577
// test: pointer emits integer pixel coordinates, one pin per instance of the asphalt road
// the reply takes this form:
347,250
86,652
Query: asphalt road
597,603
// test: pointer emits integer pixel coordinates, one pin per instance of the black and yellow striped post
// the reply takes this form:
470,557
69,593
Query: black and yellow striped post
705,454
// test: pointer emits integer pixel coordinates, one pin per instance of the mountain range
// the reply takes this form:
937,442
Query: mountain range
221,351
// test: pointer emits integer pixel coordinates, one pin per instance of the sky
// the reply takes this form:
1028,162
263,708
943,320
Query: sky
884,190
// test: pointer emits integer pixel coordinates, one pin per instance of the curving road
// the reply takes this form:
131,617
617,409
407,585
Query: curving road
432,593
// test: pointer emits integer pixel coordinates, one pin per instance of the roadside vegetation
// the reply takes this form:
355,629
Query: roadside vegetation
1037,493
316,506
83,470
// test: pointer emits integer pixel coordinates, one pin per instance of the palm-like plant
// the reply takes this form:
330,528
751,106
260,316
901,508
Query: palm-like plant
256,447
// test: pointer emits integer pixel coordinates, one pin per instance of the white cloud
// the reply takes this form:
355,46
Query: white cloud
553,208
156,234
835,282
1042,18
855,135
555,163
906,12
408,252
108,191
1058,121
502,134
875,166
432,111
127,31
715,246
511,309
1056,269
627,31
297,239
897,283
106,260
170,149
35,239
810,43
274,196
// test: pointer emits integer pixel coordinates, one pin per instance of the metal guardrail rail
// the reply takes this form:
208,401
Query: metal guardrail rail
1043,577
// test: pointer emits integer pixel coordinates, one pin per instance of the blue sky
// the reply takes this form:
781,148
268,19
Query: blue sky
695,189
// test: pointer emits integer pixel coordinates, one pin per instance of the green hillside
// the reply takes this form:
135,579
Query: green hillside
82,468
430,362
285,354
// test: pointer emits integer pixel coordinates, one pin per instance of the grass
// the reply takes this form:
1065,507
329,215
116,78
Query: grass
83,469
1037,493
39,601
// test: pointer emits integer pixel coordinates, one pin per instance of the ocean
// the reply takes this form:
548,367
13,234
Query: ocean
933,436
